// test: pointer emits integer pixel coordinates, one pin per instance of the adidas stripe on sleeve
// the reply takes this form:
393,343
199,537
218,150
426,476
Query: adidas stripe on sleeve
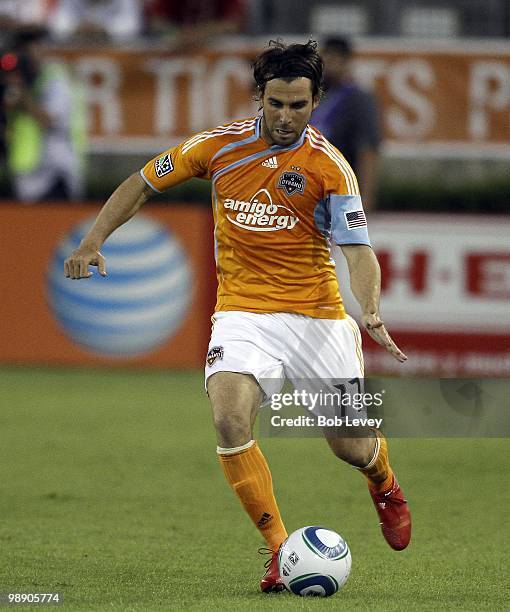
348,221
192,158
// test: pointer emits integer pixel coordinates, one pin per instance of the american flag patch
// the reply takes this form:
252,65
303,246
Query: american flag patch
354,219
163,165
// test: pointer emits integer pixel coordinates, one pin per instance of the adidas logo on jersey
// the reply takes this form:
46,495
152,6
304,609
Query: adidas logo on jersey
272,162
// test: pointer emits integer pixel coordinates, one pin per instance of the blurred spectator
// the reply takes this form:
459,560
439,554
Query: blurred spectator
194,22
22,13
348,117
45,124
96,20
14,13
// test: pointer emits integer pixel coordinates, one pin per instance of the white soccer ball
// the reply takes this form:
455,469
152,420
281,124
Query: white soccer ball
314,561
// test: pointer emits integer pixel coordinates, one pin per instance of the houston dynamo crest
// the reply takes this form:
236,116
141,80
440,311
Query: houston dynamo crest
292,182
216,352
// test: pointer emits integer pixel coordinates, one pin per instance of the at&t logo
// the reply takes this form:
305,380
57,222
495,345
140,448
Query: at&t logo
141,302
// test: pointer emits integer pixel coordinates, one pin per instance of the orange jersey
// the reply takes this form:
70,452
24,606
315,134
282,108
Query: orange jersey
276,211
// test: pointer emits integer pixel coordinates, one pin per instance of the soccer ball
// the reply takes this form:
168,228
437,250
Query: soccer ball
314,561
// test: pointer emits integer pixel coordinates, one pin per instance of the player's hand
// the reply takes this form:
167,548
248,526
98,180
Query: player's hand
375,328
77,264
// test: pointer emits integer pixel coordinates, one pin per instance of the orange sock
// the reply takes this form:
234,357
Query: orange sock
248,474
378,472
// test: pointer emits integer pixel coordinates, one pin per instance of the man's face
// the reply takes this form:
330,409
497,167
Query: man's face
287,107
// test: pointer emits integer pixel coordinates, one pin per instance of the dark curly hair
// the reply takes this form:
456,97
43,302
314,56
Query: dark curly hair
281,61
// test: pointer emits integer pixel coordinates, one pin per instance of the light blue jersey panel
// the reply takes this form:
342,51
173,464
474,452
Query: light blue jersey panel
322,218
348,222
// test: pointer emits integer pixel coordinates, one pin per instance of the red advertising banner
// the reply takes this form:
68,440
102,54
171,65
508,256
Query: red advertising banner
445,293
153,308
451,99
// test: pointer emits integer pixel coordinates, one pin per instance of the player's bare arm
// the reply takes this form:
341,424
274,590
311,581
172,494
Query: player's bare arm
365,278
124,202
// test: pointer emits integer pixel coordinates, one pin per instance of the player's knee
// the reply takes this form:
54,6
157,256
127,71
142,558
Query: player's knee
232,429
234,398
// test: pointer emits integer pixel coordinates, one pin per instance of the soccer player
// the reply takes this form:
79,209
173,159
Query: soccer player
281,193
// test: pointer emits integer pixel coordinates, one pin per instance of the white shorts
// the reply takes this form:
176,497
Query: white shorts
273,347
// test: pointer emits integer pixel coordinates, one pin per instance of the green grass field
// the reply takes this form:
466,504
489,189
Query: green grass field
111,495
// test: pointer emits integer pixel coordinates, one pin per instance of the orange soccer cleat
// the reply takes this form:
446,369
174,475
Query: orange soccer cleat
271,581
394,515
